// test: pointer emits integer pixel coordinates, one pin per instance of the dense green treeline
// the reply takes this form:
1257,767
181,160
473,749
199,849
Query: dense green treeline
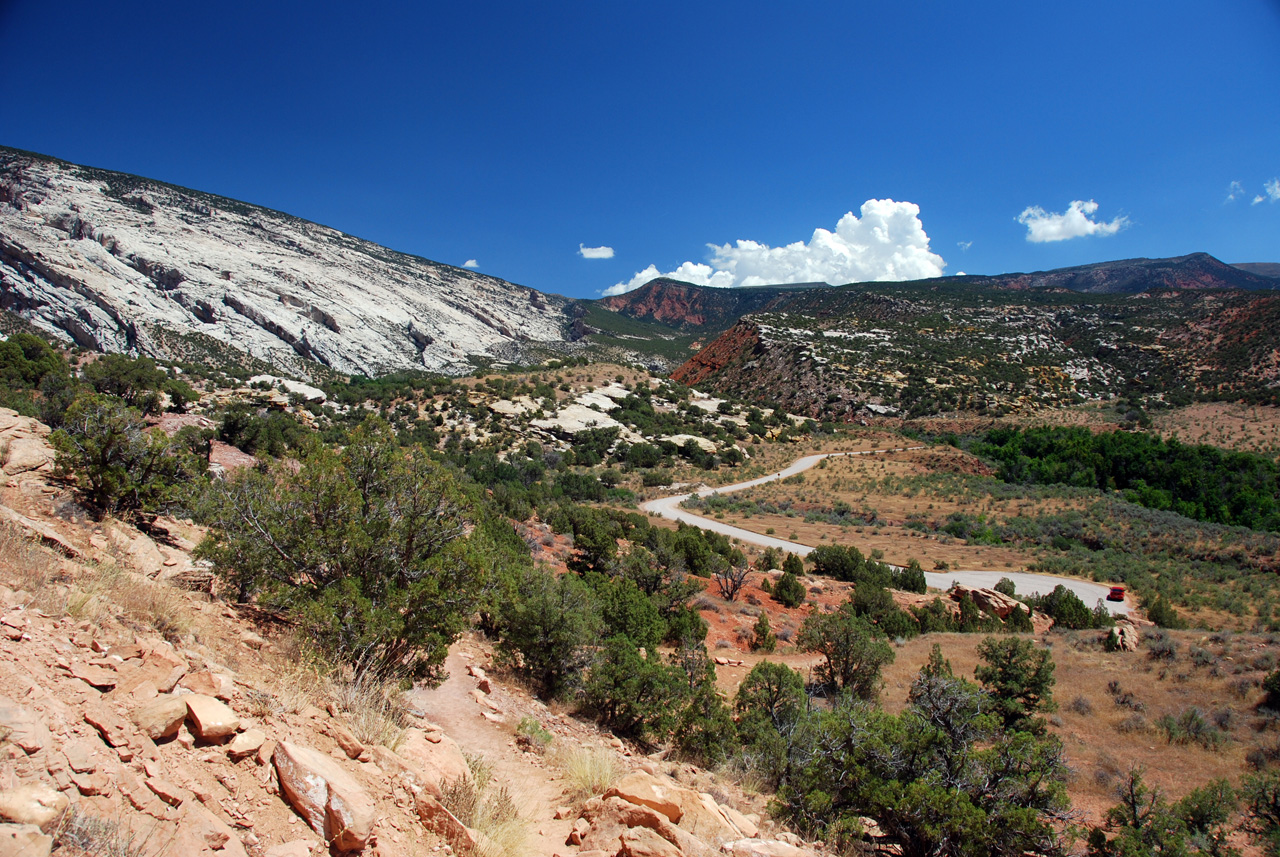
1197,481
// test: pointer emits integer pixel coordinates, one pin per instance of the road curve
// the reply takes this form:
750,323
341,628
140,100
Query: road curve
1026,582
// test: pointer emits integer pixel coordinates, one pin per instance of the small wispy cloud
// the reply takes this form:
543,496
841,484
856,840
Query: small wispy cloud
1270,191
964,246
471,263
1234,191
1075,222
595,252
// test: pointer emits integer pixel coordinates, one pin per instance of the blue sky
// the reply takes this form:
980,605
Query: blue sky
513,134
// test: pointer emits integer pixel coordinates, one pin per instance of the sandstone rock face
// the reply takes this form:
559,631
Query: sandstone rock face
1126,637
35,804
208,683
643,842
436,817
437,762
644,789
327,797
694,812
988,600
161,718
609,818
85,267
200,832
246,743
27,454
24,840
211,720
25,727
297,848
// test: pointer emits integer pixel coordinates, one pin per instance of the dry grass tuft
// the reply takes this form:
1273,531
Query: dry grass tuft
588,772
373,702
33,569
77,833
492,812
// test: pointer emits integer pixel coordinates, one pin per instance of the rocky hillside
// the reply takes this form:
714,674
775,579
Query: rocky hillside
115,262
686,306
917,349
139,716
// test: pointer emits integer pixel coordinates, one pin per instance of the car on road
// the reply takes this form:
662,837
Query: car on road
1116,594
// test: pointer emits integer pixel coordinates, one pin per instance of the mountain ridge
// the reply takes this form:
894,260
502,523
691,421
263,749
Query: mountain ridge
690,306
116,262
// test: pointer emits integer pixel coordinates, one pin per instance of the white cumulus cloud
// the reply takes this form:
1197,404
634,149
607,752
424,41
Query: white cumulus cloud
595,252
1075,222
964,245
1271,191
886,243
1235,190
471,263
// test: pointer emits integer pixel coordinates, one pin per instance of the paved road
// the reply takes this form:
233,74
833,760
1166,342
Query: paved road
1026,582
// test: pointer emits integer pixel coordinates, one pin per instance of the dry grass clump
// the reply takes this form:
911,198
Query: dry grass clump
492,812
146,604
76,834
33,569
373,701
589,772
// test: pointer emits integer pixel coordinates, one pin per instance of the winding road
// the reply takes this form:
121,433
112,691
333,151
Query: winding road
1026,582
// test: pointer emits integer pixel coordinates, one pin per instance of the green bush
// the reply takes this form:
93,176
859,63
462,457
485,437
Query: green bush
789,591
548,626
374,549
120,465
925,776
637,697
762,636
1019,679
852,651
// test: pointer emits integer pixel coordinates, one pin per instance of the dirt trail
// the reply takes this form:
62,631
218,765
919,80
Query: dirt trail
533,781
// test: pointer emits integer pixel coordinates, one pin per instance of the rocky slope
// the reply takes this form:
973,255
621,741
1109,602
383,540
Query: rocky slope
683,305
699,307
119,263
141,717
916,350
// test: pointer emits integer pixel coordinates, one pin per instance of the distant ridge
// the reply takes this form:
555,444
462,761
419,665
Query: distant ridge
691,307
1266,269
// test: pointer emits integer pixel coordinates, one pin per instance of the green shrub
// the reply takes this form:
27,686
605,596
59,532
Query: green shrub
852,650
120,465
533,734
637,697
762,636
1019,679
547,627
789,591
374,549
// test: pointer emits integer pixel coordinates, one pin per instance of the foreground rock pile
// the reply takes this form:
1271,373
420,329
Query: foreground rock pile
647,815
187,755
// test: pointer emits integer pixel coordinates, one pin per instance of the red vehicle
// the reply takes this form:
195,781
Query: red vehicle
1116,594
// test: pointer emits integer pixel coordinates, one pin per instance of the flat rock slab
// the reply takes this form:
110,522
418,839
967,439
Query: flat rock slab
26,728
162,717
24,840
34,803
246,743
211,720
113,728
99,677
327,797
